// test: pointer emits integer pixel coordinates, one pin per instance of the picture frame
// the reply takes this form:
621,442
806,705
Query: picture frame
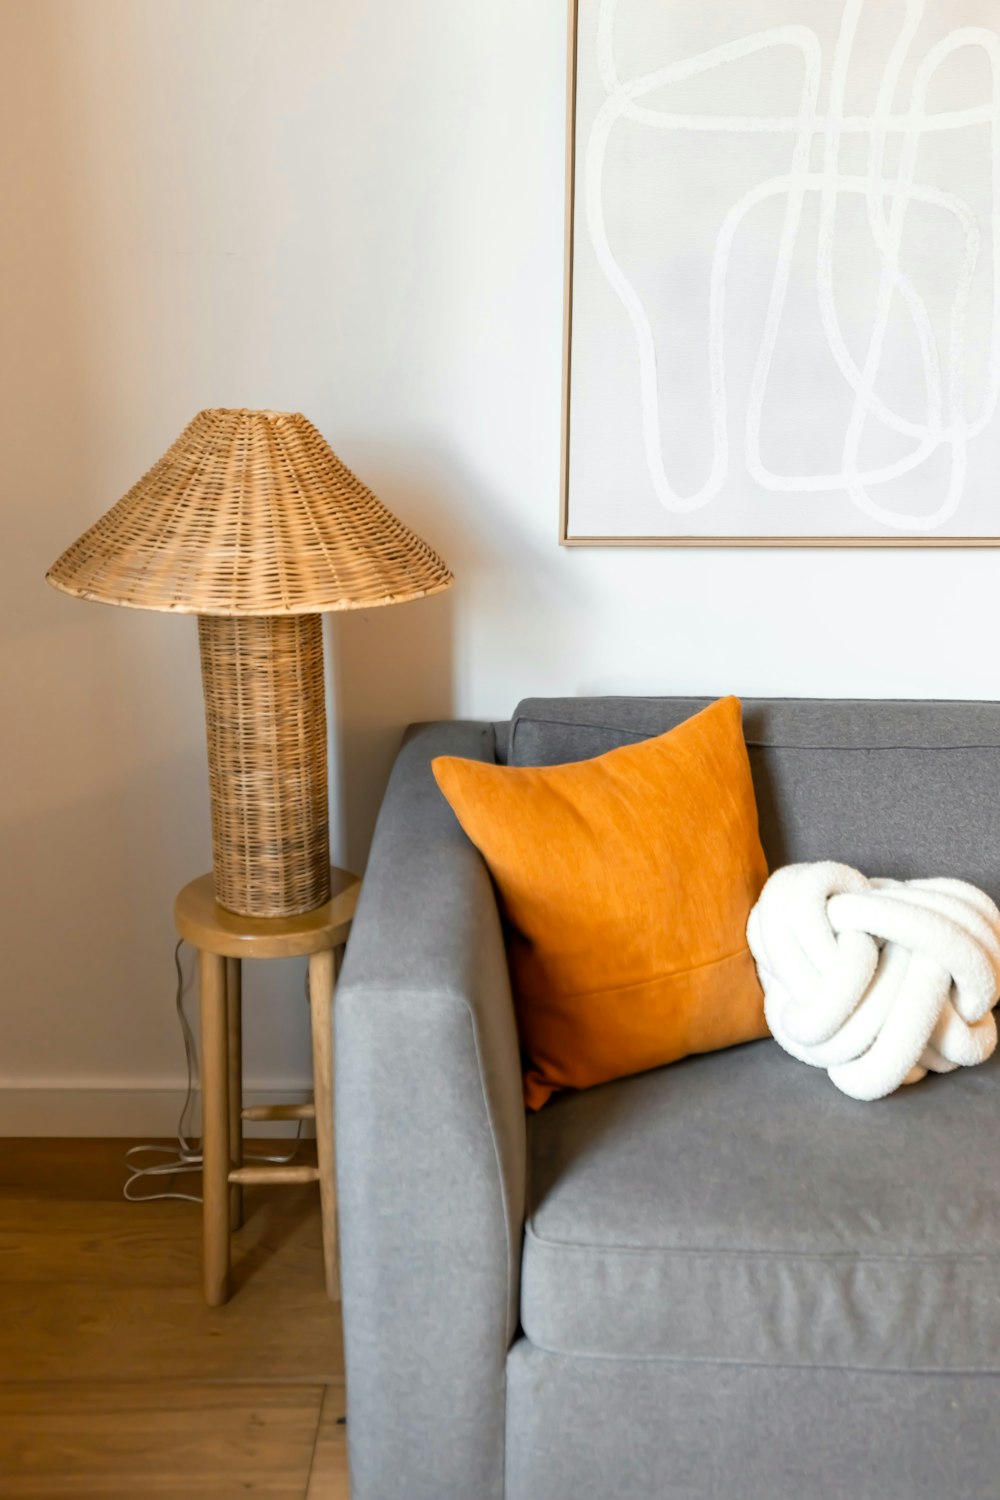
582,527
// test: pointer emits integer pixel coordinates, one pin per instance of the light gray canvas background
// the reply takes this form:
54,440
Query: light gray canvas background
840,389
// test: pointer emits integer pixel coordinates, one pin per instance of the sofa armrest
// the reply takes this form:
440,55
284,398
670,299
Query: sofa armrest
430,1148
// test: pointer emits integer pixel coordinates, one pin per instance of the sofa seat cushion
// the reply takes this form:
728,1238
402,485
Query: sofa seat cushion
737,1207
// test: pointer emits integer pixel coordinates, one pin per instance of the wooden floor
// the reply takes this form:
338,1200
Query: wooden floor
116,1380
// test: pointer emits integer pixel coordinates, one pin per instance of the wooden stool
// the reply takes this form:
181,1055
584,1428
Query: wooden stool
222,939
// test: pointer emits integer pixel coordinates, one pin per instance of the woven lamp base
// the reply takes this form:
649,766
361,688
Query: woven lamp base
265,712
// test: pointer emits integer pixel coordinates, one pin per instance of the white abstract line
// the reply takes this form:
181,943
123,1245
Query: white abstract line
941,120
888,199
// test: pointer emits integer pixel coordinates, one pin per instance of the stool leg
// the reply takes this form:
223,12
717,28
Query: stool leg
214,1128
321,1009
234,1014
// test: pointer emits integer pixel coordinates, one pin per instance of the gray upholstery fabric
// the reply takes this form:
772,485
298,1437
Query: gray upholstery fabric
501,738
798,1294
431,1152
895,788
590,1429
736,1206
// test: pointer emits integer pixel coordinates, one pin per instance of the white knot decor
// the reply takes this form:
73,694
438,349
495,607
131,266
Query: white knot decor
877,981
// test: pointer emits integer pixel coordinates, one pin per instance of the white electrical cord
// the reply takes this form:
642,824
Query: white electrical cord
185,1157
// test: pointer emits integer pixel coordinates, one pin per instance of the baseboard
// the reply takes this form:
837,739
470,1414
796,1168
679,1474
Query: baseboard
128,1112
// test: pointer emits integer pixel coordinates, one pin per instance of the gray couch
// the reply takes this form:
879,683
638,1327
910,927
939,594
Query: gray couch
719,1281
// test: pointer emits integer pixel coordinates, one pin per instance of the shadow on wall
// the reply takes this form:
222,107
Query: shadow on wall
88,884
93,882
388,667
46,378
394,666
391,667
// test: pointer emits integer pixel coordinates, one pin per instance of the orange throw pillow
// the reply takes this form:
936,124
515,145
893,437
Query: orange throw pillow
626,883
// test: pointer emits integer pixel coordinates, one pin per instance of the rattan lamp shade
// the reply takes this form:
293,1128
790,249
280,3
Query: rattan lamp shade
251,522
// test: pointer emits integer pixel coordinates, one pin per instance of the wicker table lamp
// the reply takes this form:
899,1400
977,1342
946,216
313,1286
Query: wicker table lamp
252,523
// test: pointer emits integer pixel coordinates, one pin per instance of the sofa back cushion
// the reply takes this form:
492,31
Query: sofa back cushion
900,788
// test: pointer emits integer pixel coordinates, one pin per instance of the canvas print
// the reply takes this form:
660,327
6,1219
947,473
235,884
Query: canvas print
783,311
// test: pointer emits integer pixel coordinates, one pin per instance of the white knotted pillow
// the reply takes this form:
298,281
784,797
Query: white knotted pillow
877,981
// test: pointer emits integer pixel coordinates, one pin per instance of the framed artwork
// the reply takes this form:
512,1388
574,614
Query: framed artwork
783,273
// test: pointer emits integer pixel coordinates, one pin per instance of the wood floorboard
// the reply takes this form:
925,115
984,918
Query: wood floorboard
157,1244
81,1330
66,1169
116,1379
94,1168
328,1477
126,1440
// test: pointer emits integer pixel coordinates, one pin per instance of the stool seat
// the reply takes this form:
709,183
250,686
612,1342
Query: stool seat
206,925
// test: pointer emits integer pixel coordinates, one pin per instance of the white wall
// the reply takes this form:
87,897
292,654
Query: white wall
352,208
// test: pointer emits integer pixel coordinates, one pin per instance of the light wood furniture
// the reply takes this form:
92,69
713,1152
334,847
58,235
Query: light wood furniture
223,939
117,1381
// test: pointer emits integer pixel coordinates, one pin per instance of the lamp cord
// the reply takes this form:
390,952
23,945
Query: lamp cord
185,1156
